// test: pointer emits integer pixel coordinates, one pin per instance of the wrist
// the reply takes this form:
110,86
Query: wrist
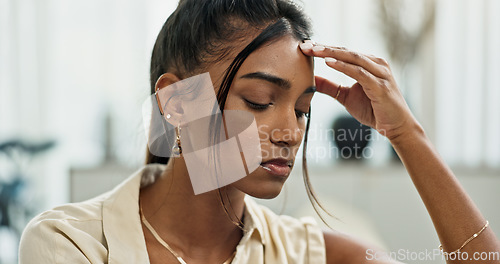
408,135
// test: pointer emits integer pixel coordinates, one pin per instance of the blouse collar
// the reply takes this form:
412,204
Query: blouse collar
122,225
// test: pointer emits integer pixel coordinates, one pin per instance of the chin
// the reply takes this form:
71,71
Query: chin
264,193
262,186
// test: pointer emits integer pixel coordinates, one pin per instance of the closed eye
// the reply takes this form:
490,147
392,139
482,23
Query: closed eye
261,107
257,106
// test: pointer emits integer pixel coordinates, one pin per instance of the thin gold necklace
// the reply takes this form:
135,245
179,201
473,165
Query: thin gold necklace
165,244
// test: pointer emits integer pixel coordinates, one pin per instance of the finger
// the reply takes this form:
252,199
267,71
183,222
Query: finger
351,57
309,49
379,61
306,47
332,89
358,73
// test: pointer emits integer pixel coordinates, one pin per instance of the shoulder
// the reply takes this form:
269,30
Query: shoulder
287,235
84,232
306,239
68,233
344,248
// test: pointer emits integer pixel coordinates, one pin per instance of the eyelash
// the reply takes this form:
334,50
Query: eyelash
300,114
257,106
261,107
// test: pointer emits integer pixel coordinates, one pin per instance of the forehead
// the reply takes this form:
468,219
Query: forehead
281,58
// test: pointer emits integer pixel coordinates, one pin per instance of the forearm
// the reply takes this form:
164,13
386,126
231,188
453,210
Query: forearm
455,216
375,100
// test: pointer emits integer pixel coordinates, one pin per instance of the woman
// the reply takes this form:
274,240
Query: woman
259,57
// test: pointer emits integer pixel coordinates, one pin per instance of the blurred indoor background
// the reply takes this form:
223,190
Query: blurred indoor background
73,76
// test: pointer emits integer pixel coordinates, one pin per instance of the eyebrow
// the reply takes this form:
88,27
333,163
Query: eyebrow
280,82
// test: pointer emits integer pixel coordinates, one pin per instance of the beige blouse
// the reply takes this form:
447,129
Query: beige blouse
107,229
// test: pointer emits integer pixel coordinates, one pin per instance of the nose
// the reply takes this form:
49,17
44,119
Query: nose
286,131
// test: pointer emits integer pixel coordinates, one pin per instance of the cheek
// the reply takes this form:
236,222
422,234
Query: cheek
263,124
264,129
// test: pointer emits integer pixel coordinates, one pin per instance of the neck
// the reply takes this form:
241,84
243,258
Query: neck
192,224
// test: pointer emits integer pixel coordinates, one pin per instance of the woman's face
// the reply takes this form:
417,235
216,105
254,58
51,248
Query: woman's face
276,85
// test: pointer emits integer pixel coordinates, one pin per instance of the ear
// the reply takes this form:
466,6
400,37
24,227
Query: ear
169,103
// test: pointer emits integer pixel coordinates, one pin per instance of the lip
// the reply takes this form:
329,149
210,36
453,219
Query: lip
279,167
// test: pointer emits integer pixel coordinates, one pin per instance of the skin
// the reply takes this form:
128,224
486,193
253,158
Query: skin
190,223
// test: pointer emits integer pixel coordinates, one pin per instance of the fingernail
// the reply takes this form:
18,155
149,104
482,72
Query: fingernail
310,41
306,45
318,48
331,60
